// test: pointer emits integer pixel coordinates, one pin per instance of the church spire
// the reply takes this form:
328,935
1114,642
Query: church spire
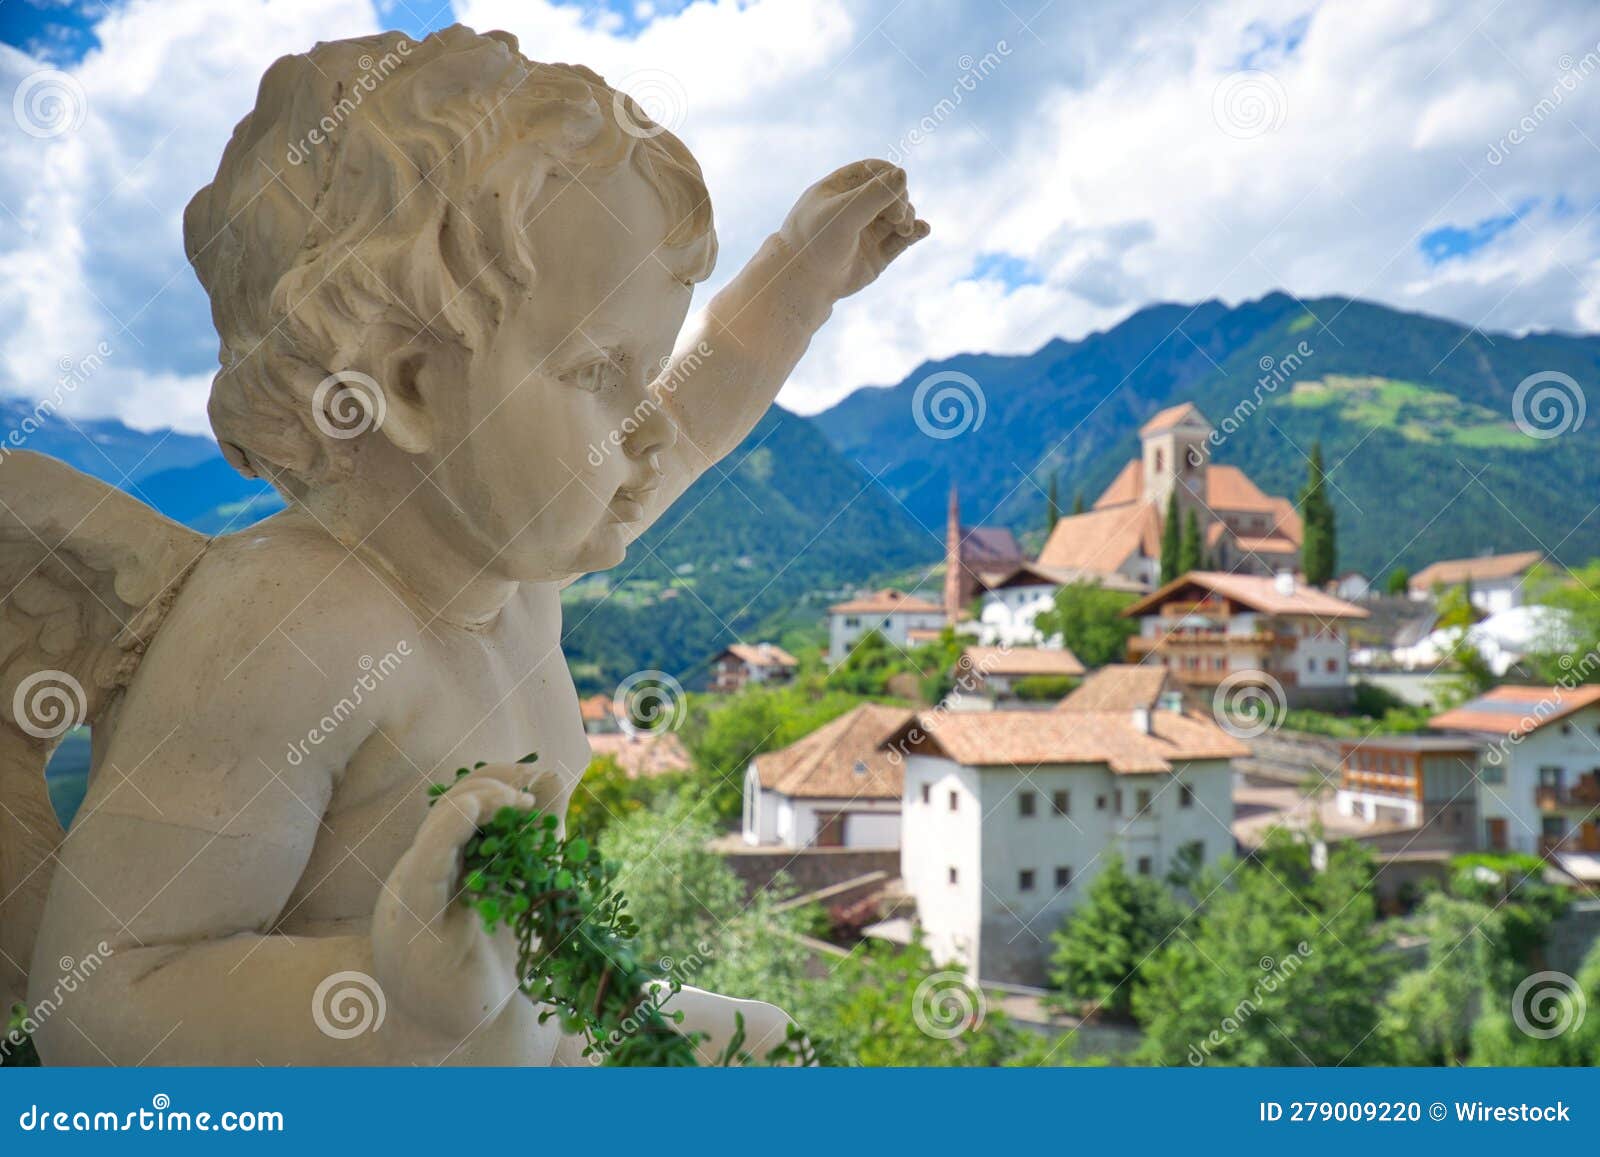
952,559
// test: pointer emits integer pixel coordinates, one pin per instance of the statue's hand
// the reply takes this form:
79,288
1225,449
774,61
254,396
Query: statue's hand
847,227
431,952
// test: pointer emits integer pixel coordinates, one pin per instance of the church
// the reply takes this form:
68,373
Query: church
1244,531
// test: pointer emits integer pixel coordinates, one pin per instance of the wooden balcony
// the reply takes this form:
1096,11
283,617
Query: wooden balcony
1586,839
1584,793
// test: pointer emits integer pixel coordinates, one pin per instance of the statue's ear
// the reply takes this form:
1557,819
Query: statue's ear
408,422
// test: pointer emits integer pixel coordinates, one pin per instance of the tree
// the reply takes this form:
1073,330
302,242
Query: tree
1565,647
1399,581
1319,555
1100,948
1189,547
1281,964
1053,512
1077,503
1170,541
1088,619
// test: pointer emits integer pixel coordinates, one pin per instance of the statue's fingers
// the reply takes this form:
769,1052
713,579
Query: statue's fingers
873,198
897,243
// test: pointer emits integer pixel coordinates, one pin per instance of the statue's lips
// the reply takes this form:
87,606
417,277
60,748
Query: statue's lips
627,505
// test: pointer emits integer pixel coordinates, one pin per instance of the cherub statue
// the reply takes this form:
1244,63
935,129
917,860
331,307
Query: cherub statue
449,283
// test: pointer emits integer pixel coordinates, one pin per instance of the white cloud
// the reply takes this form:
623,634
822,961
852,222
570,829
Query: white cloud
1089,150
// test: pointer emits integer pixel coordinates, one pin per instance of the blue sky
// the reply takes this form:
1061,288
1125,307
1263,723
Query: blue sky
1077,161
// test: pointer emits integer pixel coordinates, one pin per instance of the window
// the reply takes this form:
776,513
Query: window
1061,803
954,876
955,800
1311,665
1063,877
1099,803
1025,803
1141,801
1025,880
1492,773
1185,795
852,621
1333,666
1145,866
927,793
1116,798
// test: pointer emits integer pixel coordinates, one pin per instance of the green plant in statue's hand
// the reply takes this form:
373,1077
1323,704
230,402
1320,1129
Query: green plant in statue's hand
16,1046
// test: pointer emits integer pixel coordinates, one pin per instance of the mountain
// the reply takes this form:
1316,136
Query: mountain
210,496
1415,416
109,450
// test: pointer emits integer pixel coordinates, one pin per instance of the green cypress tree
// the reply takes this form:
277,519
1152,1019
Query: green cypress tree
1189,545
1077,503
1053,515
1170,540
1319,549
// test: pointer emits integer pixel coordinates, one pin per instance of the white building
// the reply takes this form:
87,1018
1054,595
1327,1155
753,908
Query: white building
995,672
1008,816
1539,778
893,614
836,788
742,664
1011,603
1495,582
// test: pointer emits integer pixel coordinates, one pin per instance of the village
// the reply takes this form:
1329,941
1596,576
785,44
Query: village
971,809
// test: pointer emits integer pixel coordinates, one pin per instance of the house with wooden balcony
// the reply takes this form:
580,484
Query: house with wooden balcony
1539,776
1422,787
1207,627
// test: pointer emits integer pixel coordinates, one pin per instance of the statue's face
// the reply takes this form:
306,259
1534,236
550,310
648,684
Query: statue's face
556,426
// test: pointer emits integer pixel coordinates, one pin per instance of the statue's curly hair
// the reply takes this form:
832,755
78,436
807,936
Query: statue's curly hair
357,215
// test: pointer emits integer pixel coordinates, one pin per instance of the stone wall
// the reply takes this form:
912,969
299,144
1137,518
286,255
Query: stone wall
1292,754
810,869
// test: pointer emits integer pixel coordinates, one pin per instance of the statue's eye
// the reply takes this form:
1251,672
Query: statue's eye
594,376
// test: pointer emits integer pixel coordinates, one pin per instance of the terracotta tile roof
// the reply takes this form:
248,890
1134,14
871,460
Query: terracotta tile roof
1028,574
1020,661
1170,417
1515,711
1254,591
1265,545
1452,571
1126,487
595,708
1102,540
1119,687
761,655
642,755
843,759
885,601
1230,488
1033,738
